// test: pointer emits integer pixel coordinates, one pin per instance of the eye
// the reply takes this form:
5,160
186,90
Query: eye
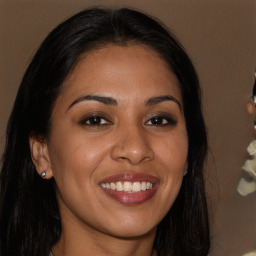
161,121
95,120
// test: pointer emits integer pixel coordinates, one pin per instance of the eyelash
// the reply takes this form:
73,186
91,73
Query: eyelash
157,120
165,120
95,121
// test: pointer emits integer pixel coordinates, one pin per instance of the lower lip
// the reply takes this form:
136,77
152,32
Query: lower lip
131,198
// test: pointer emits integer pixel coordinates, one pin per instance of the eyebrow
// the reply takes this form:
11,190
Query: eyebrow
159,99
105,100
113,102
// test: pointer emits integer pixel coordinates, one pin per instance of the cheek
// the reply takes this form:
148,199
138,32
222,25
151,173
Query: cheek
75,159
173,151
173,157
76,156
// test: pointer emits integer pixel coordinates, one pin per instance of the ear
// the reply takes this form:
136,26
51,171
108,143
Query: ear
40,156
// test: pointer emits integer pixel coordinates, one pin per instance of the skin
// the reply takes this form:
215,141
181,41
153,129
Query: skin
126,140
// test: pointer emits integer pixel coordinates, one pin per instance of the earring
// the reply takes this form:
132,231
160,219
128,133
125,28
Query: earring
185,173
43,174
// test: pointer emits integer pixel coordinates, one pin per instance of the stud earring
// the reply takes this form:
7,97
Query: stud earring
185,173
43,174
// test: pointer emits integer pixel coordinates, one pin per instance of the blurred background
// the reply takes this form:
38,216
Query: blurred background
220,37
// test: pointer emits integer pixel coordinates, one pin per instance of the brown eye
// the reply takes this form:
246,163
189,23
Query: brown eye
161,121
95,121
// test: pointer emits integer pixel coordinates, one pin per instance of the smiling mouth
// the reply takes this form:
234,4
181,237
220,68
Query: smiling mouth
130,188
127,186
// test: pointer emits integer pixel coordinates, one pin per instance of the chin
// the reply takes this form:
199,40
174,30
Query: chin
131,229
132,232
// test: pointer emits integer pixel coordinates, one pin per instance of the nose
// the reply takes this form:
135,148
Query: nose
132,145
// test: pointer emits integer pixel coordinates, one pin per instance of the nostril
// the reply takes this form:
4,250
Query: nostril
132,146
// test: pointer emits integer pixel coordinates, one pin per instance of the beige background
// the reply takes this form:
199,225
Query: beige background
220,36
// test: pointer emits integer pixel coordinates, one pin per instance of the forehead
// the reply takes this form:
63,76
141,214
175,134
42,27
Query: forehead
133,70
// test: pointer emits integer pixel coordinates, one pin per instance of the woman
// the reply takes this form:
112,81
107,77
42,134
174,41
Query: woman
105,144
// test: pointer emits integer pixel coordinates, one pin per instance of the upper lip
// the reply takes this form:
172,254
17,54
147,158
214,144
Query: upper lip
132,177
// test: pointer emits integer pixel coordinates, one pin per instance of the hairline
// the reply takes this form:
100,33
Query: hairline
102,45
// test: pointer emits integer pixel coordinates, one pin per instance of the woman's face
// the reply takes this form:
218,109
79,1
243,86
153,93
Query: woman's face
118,144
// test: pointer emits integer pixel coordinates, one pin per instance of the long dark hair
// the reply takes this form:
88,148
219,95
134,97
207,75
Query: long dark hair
29,215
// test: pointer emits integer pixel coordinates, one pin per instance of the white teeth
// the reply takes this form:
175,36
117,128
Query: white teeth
112,186
128,186
149,185
143,185
119,186
136,187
